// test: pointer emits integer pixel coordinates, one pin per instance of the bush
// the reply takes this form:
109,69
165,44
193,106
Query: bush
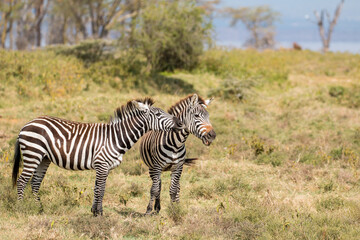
88,51
171,34
234,89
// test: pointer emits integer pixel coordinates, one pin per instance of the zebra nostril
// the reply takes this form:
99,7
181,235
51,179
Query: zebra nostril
212,134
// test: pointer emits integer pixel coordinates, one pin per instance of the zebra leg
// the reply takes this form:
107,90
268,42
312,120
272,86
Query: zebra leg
102,172
38,177
31,163
175,183
157,199
155,190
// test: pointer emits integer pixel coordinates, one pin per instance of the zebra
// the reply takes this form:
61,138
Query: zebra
164,151
82,146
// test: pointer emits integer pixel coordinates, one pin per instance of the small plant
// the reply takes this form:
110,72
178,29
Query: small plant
327,187
202,191
336,153
258,145
351,157
336,91
330,203
176,212
274,158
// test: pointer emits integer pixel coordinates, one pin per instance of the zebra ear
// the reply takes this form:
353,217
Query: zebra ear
194,99
208,101
141,106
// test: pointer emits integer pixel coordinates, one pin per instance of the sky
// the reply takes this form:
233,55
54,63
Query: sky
294,27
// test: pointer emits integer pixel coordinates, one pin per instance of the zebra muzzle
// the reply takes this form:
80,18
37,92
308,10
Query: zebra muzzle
209,137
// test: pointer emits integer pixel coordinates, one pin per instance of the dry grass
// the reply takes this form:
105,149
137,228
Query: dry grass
284,164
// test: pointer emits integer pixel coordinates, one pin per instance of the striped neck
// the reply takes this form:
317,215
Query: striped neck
125,132
180,112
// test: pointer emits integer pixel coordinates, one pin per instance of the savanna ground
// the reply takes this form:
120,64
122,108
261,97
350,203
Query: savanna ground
285,164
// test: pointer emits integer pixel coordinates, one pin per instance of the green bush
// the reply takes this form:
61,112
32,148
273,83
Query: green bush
88,51
234,89
171,34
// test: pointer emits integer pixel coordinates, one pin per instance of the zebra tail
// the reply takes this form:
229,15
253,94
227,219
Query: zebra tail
17,159
190,161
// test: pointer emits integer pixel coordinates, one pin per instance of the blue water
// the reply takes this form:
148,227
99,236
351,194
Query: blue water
336,46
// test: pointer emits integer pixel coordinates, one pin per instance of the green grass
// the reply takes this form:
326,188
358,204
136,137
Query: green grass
284,164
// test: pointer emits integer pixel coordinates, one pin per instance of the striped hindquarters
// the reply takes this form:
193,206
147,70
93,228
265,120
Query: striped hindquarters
70,145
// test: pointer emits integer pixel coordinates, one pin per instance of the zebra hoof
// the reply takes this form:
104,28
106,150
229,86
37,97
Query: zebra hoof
96,212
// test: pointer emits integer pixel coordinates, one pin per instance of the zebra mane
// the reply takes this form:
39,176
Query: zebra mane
129,107
182,102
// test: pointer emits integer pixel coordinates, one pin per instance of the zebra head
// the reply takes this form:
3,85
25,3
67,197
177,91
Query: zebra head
158,119
197,120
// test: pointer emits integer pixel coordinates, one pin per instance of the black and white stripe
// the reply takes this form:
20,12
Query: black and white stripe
162,151
82,146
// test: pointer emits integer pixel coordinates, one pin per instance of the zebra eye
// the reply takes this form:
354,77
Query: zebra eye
158,114
197,115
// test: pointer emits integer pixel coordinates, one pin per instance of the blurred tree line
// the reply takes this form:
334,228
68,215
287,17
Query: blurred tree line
169,34
24,23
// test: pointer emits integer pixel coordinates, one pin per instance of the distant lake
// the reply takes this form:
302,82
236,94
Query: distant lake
336,46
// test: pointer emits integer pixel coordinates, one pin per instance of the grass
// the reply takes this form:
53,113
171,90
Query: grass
284,164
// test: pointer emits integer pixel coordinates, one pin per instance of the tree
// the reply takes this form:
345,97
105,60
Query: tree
8,14
259,21
29,22
101,13
320,21
40,11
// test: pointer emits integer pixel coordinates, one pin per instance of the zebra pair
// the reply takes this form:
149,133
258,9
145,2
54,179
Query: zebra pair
163,151
82,146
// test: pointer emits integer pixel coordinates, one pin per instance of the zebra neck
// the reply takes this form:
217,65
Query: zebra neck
126,133
181,136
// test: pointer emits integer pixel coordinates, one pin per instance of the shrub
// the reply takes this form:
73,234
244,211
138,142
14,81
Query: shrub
171,34
234,88
88,51
258,146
